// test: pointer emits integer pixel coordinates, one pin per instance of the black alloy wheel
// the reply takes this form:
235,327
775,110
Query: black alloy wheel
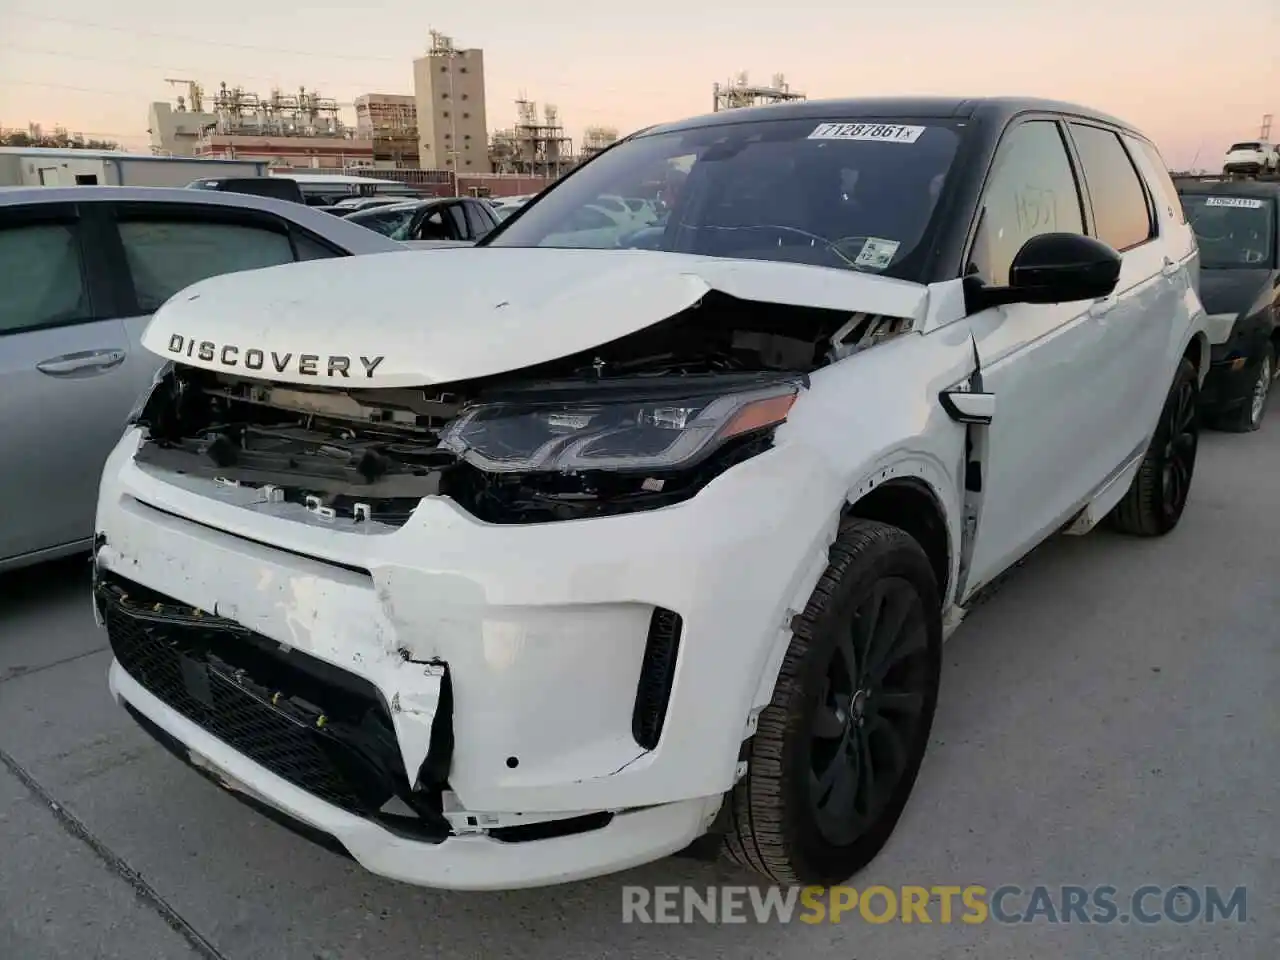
835,754
868,717
1156,498
1179,462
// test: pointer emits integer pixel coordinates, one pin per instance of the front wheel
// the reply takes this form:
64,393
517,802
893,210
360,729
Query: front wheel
836,752
1158,495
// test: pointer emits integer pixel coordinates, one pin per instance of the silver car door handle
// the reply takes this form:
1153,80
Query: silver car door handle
85,363
1100,308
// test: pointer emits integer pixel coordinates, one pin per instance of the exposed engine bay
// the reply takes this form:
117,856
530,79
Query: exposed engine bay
585,435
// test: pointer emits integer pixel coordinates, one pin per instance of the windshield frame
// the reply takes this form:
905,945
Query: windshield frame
915,266
1271,205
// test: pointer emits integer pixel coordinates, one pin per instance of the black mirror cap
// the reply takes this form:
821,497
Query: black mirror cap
1054,268
1062,267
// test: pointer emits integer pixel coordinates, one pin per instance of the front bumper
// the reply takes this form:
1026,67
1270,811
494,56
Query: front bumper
544,631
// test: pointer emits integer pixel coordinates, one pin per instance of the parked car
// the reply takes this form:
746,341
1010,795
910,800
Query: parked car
528,563
1252,158
281,188
356,204
81,271
452,219
1237,226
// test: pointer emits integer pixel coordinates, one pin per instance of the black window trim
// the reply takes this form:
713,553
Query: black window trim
1073,162
1153,221
96,274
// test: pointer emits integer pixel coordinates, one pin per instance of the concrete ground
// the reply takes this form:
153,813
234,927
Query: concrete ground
1108,717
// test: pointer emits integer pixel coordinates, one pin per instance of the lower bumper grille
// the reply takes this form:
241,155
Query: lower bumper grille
323,730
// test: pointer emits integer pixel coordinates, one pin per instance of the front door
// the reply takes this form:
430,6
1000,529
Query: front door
1043,452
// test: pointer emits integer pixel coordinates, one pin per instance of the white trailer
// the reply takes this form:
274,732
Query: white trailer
57,167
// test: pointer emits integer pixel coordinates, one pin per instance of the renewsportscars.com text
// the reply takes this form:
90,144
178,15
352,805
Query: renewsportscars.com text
1008,904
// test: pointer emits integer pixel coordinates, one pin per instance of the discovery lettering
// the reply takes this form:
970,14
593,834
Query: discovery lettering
255,358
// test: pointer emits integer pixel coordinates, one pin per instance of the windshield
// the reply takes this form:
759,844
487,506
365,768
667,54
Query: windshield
857,196
393,222
1243,146
1232,231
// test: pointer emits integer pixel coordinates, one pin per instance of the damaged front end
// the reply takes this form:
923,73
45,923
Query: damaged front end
643,422
322,729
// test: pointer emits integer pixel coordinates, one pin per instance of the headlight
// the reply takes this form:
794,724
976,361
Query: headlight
617,435
140,404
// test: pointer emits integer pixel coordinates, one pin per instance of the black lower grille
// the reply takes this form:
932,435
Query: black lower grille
657,674
321,729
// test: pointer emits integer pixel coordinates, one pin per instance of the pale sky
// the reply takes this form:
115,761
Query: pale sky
1193,74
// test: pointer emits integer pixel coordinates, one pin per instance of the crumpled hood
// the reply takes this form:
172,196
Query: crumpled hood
426,317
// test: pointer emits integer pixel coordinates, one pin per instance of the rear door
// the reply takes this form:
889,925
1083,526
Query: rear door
1145,316
65,383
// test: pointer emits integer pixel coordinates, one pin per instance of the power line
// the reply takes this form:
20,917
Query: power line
168,68
185,38
6,82
243,46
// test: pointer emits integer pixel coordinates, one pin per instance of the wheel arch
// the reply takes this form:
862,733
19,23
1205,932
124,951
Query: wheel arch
909,494
1197,351
913,506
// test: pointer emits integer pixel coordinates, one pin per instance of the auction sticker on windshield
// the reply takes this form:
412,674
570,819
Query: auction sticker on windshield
881,132
876,253
1247,203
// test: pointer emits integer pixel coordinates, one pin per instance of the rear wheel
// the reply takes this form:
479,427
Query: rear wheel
836,753
1248,416
1158,495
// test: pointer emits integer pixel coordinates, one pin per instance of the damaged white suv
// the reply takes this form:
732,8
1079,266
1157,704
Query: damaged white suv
510,565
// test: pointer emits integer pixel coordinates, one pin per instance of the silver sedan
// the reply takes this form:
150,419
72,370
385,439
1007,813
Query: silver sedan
81,271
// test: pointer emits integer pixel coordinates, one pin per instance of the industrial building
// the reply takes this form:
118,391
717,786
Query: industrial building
740,92
448,87
595,139
302,129
533,147
390,122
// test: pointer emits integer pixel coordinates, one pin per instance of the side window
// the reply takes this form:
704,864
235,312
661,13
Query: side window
459,218
1120,210
1162,182
43,280
308,247
479,218
164,256
1031,190
433,226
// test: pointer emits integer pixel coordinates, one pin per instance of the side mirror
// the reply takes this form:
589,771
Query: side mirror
1053,268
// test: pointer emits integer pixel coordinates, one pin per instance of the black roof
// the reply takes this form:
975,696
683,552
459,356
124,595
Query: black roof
1229,188
998,110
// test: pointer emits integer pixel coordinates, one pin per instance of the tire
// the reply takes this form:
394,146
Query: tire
782,822
1157,497
1248,417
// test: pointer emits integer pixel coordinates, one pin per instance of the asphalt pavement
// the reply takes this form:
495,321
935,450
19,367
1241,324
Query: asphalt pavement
1109,716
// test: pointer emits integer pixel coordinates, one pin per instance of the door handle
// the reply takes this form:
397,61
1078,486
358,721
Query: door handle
1103,306
1170,268
85,363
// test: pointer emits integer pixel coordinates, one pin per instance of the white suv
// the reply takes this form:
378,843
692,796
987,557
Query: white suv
1253,158
509,565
